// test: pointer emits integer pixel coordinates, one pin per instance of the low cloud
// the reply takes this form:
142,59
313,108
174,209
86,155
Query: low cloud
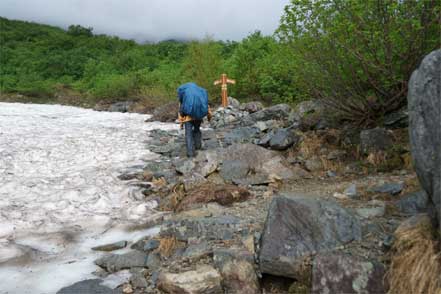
154,20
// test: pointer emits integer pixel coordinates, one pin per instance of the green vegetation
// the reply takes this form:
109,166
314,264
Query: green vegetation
355,55
358,55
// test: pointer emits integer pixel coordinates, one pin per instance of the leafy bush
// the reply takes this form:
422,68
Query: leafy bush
203,64
36,88
113,86
359,55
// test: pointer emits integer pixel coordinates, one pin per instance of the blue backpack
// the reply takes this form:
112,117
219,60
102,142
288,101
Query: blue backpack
194,100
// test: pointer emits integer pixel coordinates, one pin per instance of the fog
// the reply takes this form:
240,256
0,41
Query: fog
154,20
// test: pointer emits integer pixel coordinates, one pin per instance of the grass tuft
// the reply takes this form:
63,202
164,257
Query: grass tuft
416,263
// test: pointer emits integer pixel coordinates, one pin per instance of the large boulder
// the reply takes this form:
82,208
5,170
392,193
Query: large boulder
276,112
374,140
397,119
116,262
298,227
237,270
202,228
339,273
234,170
413,203
123,106
241,135
310,115
165,113
233,102
92,286
251,107
425,124
283,139
203,280
266,165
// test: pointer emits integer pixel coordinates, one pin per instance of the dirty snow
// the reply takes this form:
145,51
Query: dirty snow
59,191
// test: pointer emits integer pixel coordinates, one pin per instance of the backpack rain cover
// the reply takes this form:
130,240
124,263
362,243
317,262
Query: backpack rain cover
194,100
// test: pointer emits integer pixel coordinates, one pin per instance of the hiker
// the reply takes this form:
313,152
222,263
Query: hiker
193,108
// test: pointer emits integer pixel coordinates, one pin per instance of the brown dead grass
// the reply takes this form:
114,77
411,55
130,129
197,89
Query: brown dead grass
376,158
312,143
416,264
224,195
167,246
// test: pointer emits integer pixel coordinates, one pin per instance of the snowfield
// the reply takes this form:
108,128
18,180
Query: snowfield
59,191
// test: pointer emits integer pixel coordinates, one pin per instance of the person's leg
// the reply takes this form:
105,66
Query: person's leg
189,141
197,134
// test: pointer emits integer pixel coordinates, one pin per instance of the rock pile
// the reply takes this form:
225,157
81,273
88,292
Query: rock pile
233,219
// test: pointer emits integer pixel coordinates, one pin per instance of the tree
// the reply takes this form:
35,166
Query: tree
358,55
203,64
77,30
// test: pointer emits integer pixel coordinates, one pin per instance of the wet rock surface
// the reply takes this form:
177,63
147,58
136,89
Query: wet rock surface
92,286
117,262
111,247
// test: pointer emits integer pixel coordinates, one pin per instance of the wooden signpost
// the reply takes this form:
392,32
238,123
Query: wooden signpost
224,81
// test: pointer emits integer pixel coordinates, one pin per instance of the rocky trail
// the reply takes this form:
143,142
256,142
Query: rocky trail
279,200
275,202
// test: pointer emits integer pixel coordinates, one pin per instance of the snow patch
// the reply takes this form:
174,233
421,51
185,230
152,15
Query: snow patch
60,194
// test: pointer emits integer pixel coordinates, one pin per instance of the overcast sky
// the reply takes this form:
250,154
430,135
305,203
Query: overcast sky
154,20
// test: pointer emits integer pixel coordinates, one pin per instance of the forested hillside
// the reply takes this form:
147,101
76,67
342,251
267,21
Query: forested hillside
356,55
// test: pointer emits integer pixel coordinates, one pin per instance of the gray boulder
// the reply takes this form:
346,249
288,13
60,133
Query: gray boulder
214,228
314,164
237,270
339,273
388,188
115,262
310,115
351,191
397,119
241,135
123,106
413,203
374,209
185,166
233,170
283,139
92,286
298,227
165,113
233,102
373,140
204,280
251,107
424,104
111,247
276,112
266,165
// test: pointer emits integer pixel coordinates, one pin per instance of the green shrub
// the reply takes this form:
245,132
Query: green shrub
113,86
358,55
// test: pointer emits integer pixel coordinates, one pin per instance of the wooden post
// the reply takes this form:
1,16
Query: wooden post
224,81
